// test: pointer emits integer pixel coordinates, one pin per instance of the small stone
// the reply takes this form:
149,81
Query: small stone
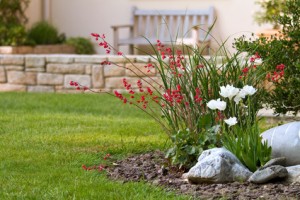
269,173
275,161
294,174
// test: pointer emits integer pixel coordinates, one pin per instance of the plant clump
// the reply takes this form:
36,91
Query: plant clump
45,33
81,45
12,22
282,51
200,102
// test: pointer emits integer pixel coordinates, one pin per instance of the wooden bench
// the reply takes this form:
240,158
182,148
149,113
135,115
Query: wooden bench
177,26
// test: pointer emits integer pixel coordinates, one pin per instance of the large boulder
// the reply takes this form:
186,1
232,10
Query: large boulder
218,165
285,142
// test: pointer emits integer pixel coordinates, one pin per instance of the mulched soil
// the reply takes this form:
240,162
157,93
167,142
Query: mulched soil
148,167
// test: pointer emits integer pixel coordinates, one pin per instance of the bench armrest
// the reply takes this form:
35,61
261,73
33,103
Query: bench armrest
122,26
116,33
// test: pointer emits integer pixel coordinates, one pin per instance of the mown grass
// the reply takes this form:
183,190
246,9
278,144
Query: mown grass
46,138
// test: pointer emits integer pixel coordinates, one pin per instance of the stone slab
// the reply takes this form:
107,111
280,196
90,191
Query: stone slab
2,75
97,76
7,87
50,79
139,69
66,68
11,60
66,59
40,88
35,61
84,80
19,77
114,70
14,68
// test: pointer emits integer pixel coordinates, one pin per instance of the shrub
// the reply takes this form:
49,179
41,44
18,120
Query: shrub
81,45
12,22
44,33
270,9
278,50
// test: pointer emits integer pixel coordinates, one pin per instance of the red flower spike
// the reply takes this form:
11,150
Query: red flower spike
96,35
245,70
78,88
120,53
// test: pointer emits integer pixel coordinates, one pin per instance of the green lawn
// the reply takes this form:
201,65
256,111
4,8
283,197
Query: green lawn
46,138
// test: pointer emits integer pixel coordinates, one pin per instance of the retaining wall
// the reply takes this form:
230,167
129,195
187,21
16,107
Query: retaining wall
53,73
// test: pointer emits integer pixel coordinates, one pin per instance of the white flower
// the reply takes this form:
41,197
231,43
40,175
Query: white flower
249,90
231,121
228,91
258,61
239,96
216,104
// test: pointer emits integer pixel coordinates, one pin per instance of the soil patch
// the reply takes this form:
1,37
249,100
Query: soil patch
150,167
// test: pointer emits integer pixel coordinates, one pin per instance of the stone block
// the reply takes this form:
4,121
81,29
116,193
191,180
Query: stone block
114,70
35,61
40,88
11,60
66,68
97,59
88,69
66,59
139,69
50,79
18,77
2,75
37,69
84,80
121,59
97,76
114,83
14,68
6,87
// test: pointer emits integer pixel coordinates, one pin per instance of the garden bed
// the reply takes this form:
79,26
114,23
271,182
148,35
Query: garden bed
148,167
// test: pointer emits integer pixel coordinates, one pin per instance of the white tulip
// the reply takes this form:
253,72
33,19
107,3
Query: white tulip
216,104
239,96
231,121
228,91
249,90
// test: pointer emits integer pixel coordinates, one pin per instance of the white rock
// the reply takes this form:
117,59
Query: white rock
218,165
285,142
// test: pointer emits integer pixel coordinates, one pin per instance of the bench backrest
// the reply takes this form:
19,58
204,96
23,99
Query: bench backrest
167,24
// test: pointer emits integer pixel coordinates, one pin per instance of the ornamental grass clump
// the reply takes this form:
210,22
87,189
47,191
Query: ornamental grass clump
189,84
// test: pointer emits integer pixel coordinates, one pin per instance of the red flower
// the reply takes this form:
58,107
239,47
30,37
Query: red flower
245,70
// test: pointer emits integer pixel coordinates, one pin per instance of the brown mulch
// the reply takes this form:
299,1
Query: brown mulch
148,167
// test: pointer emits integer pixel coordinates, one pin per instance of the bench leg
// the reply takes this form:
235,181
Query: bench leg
131,49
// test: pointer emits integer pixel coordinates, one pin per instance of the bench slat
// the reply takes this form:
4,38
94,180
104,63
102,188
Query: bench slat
167,26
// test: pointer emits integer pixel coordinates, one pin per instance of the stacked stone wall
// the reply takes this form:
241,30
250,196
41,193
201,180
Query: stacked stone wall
53,73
